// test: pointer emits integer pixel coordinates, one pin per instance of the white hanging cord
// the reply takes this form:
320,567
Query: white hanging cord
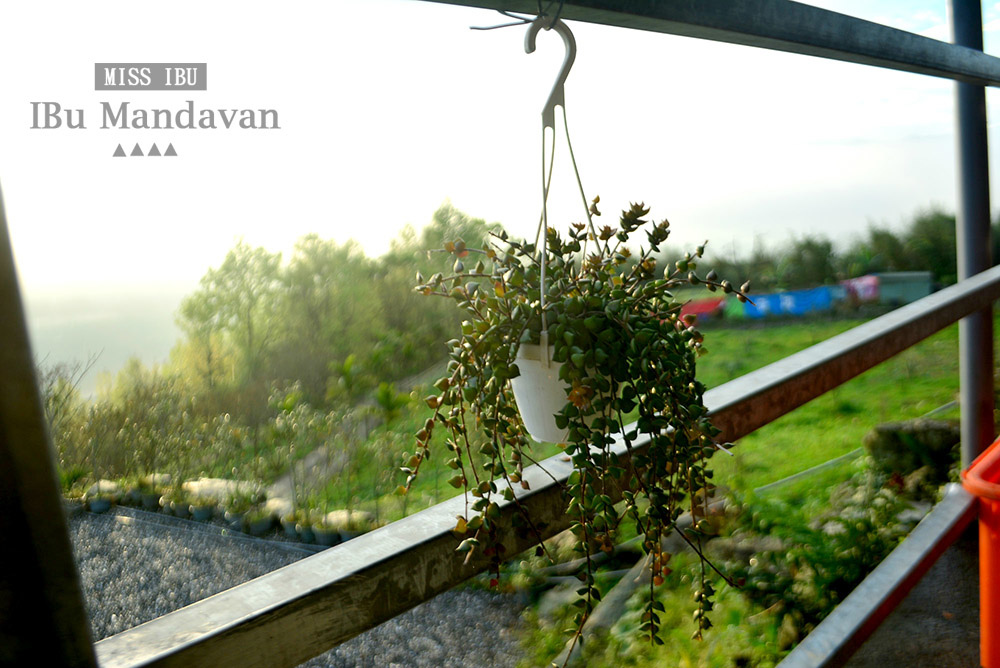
586,206
543,337
545,184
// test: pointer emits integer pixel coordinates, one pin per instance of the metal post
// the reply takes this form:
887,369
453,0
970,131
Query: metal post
973,237
42,617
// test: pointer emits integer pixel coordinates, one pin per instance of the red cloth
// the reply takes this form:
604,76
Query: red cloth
703,307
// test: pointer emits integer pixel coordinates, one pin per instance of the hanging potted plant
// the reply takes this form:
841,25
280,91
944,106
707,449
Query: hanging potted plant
600,322
578,340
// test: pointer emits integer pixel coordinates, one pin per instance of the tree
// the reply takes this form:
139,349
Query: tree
930,245
889,253
329,310
200,318
349,382
238,300
926,244
761,266
881,250
414,328
807,262
59,385
65,412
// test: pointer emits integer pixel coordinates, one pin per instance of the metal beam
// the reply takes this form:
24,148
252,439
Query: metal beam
287,616
752,401
328,598
42,617
844,630
973,239
779,25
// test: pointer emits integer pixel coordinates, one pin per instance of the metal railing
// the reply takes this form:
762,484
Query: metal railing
301,610
328,598
846,628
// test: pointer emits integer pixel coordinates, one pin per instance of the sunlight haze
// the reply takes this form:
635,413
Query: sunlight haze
389,108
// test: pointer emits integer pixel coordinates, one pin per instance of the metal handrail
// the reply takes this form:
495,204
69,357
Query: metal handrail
846,628
779,25
297,612
323,600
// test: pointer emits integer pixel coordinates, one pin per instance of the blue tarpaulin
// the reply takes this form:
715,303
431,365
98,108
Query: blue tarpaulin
796,302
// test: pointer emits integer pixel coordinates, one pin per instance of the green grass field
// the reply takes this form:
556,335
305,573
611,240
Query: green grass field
909,385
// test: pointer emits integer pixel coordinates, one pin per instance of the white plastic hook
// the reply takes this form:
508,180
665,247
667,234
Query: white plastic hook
557,96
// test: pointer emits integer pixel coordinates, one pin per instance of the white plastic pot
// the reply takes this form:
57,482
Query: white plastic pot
539,393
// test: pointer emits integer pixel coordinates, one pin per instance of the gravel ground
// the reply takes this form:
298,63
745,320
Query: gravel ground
136,566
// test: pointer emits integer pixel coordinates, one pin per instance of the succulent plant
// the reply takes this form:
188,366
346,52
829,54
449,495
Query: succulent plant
625,352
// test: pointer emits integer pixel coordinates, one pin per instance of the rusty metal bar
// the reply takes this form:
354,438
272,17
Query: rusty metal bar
42,617
753,400
844,630
779,25
325,599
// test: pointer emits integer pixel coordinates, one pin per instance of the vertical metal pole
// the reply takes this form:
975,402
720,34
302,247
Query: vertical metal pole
975,333
43,621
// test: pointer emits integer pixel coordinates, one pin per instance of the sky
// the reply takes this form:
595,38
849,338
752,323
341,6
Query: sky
390,108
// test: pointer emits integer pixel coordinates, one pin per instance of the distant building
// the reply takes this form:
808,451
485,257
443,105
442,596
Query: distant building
891,287
903,287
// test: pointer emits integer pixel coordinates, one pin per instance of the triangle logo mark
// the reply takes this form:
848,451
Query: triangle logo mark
153,152
119,152
136,151
170,150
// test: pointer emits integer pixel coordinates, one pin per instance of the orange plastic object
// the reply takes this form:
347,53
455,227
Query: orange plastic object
982,479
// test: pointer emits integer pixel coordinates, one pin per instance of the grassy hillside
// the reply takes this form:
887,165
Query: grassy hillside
906,386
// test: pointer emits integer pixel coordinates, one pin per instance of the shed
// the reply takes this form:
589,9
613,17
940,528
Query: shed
903,287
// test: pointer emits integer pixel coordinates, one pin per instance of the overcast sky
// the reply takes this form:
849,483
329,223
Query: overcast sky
388,108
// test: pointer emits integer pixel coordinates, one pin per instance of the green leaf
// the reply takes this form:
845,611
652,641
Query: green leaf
467,545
